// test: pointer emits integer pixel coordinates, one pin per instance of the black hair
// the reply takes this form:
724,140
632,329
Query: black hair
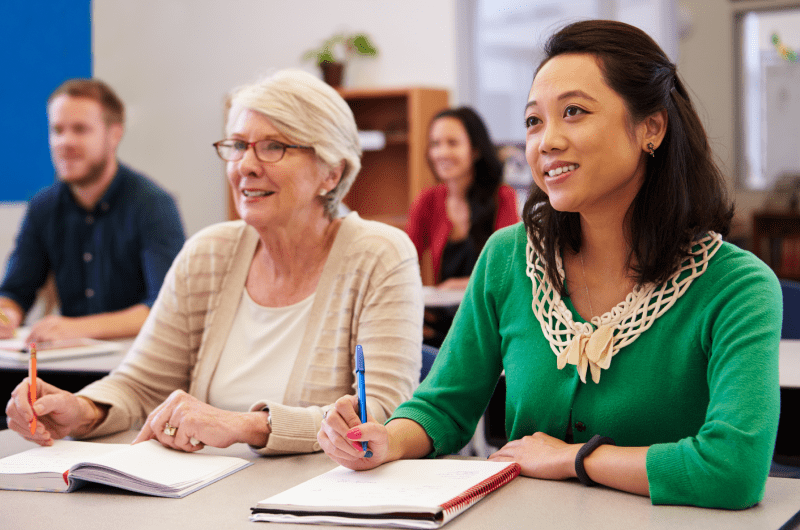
482,194
683,195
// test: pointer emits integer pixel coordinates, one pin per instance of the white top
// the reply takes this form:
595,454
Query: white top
259,354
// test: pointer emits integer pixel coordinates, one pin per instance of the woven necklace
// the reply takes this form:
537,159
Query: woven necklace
591,345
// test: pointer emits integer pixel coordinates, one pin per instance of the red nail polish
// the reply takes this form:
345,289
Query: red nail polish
354,434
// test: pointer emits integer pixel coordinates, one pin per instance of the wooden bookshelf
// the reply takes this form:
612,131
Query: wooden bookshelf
776,240
391,178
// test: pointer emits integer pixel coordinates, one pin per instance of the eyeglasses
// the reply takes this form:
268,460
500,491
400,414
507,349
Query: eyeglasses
265,150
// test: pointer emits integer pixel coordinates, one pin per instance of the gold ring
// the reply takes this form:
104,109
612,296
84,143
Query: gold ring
169,430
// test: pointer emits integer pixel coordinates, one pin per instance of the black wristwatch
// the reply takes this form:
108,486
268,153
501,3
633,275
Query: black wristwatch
587,449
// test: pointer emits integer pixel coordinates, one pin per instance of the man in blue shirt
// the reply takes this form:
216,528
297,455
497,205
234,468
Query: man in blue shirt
107,234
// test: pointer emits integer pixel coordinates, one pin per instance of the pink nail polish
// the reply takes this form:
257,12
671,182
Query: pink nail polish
354,434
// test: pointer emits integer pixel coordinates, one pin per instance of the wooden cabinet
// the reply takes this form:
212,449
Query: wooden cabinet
392,177
776,240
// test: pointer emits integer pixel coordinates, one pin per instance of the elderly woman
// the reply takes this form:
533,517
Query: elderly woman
255,326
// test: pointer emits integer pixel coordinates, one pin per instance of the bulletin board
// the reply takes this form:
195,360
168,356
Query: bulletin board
42,44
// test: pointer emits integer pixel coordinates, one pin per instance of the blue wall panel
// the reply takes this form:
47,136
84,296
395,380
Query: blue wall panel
42,43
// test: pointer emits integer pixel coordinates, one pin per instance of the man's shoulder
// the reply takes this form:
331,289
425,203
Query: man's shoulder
45,201
139,184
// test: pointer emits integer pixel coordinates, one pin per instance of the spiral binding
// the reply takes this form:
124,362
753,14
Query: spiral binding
461,502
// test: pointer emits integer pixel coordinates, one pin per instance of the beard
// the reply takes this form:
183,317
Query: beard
92,175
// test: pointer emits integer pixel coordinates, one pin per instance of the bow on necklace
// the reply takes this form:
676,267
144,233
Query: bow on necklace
589,349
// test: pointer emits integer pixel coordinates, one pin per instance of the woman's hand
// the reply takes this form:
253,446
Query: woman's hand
342,432
58,413
198,424
541,456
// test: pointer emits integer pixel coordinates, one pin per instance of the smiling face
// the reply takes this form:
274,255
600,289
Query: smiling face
270,194
450,151
582,149
82,145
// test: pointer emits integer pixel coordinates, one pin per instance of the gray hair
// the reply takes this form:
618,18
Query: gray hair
309,112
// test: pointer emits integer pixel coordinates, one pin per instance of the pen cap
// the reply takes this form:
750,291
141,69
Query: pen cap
359,359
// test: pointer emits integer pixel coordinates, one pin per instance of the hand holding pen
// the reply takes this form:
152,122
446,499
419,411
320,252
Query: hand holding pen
7,325
349,434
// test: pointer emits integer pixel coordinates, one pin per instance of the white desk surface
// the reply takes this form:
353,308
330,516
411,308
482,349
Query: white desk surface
524,503
790,363
100,364
434,297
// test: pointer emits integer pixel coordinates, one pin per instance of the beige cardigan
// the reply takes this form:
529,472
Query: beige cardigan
369,293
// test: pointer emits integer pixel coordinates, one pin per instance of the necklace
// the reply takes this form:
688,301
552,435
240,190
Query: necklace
586,286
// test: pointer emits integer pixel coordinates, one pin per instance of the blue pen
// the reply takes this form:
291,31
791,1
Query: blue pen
362,393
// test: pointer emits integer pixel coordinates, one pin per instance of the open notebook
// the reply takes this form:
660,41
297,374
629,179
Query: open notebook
403,494
17,349
147,467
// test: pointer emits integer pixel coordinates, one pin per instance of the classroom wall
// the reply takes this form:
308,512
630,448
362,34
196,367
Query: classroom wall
707,64
173,62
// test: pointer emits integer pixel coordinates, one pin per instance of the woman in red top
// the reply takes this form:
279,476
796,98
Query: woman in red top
455,218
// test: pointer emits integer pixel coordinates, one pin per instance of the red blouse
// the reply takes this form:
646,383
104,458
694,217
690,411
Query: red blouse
429,227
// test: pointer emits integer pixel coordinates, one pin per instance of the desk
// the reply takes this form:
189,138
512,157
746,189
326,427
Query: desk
67,374
524,503
434,297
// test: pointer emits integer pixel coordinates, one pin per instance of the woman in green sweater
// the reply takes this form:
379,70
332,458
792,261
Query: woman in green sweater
640,351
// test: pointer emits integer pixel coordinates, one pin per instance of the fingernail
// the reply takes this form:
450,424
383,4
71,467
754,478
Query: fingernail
368,454
37,408
356,445
354,434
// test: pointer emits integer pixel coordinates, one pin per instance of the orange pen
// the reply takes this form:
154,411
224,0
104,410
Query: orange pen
32,386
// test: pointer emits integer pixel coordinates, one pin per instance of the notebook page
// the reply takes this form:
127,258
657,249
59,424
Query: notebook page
155,463
404,483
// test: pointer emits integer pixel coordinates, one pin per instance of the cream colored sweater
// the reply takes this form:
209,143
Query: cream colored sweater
369,293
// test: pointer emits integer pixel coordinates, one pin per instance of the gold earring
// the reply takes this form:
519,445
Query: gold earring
652,149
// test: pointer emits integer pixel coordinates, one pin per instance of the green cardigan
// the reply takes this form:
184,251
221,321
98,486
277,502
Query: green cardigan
700,387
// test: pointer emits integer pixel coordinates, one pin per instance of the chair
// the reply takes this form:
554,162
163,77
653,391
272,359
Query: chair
786,459
428,356
791,309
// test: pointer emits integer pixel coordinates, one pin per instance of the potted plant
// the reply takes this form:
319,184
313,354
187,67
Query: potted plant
334,52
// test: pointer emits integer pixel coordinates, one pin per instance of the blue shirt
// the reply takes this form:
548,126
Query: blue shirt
107,259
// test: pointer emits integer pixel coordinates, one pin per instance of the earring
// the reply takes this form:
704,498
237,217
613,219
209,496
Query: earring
323,192
652,148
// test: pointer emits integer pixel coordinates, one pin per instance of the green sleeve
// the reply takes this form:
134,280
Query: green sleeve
727,463
450,401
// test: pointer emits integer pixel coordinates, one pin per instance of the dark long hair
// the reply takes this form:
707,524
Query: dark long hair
482,194
683,194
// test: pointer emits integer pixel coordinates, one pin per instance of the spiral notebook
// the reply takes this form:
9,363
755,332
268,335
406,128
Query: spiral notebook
403,494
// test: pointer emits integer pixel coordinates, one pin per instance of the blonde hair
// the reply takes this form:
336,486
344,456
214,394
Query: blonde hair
309,112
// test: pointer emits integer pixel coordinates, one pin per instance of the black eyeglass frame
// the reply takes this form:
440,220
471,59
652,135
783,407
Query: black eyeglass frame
248,145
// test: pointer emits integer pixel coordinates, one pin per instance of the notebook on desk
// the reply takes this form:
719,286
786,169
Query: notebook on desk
147,467
403,494
17,349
